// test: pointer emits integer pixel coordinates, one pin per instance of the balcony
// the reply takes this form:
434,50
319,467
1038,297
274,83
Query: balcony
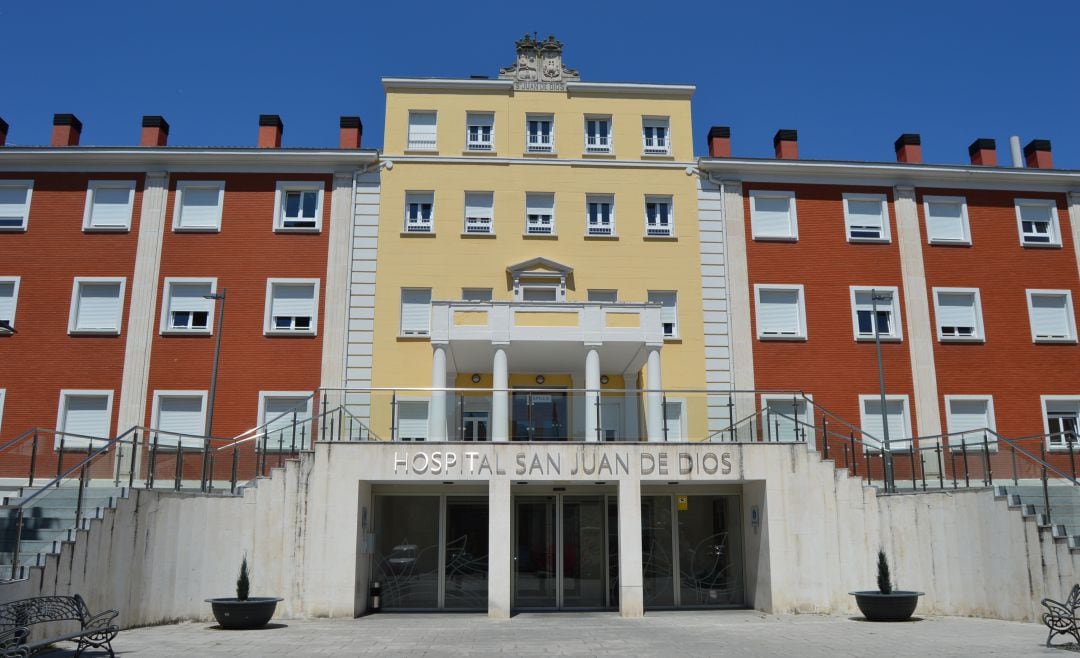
473,145
539,144
598,145
656,146
659,231
478,226
600,229
419,144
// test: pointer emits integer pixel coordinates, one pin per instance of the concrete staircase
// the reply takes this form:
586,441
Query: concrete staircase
1064,518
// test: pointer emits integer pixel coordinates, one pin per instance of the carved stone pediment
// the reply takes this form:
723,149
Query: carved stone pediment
539,66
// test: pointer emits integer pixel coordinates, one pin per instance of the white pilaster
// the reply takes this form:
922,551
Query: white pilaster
714,301
631,581
500,397
654,400
363,240
437,407
335,319
500,548
738,290
1074,223
592,394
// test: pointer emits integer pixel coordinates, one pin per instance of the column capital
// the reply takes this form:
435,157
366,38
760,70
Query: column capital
907,191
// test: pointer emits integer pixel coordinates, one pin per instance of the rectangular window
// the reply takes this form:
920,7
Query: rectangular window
946,220
185,308
15,204
669,312
285,418
179,418
412,420
415,311
604,296
479,212
298,206
9,299
83,417
1038,223
887,320
787,419
476,294
291,307
419,207
659,220
896,415
109,205
539,213
198,205
781,312
422,131
600,211
479,131
968,418
1062,420
655,137
673,421
540,133
96,305
772,215
1051,315
866,217
598,134
539,294
959,314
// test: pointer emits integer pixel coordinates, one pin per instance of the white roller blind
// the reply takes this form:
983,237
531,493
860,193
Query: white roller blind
412,420
421,126
111,206
956,309
871,420
479,204
293,300
13,203
7,300
540,204
863,212
945,220
189,297
282,428
98,306
967,416
415,311
673,415
668,312
1049,316
87,415
200,207
782,417
180,415
1035,212
481,120
778,312
771,216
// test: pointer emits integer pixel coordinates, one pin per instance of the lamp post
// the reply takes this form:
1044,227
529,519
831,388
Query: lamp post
886,449
217,356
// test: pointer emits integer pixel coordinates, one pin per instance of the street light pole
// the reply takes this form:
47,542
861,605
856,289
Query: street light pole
217,356
885,446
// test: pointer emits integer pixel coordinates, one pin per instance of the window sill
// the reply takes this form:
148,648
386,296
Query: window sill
672,339
540,154
884,339
466,234
1054,341
606,155
1041,245
196,229
489,152
660,238
852,240
413,338
418,234
950,339
13,229
283,229
540,236
93,332
790,339
775,238
657,156
106,229
187,332
290,334
590,236
949,243
414,151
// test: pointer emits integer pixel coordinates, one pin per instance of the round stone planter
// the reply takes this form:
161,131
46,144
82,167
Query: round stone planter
255,612
897,606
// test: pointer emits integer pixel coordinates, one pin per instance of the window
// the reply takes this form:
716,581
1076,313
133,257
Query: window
673,427
604,296
415,311
291,306
1061,414
600,209
772,215
476,294
897,416
179,418
286,420
185,309
968,416
887,319
96,305
787,419
539,214
658,216
669,312
412,422
83,417
655,137
540,134
418,212
959,314
422,131
479,131
198,205
781,312
866,217
9,298
946,220
540,293
598,134
109,205
1038,223
298,206
1051,315
479,212
15,204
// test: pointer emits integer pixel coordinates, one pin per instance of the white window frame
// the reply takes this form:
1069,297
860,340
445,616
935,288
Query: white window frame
908,439
15,280
420,225
413,333
792,234
658,231
73,313
178,205
975,444
674,335
803,332
169,441
1043,400
304,417
421,145
886,230
980,332
29,186
61,412
598,148
592,230
166,309
655,122
1055,225
478,227
965,239
479,145
284,187
397,418
806,417
529,225
1071,315
897,333
268,320
538,146
88,211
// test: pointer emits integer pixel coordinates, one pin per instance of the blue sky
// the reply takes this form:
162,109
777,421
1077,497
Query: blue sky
850,76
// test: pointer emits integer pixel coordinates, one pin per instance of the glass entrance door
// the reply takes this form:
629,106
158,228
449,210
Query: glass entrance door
535,569
540,416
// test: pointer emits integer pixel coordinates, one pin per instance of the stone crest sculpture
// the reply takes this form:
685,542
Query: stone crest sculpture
539,66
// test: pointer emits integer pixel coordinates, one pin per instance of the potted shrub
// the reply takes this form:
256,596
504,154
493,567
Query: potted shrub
886,604
243,612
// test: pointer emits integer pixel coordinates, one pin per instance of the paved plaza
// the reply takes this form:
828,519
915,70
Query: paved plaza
686,633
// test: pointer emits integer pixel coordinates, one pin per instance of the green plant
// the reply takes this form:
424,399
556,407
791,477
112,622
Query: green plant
884,582
243,583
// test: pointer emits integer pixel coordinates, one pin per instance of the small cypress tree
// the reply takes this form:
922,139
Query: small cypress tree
242,582
884,582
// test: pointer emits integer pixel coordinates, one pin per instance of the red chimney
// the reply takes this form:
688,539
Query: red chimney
270,129
3,132
66,130
786,143
983,151
1037,154
719,142
352,130
155,131
909,148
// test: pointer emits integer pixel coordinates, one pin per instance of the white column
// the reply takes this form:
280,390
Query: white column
500,397
631,592
654,401
437,407
592,394
500,548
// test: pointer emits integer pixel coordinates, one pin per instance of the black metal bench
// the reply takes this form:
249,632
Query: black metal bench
1060,618
95,631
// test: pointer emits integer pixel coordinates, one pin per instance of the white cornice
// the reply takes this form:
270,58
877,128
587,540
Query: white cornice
620,88
636,88
93,158
563,162
446,83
